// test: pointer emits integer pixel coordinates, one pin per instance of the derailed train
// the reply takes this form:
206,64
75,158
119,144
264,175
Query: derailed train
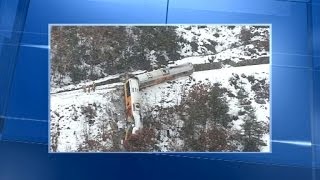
134,84
132,103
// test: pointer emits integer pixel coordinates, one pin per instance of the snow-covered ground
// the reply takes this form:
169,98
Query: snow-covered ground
223,35
68,119
225,38
169,94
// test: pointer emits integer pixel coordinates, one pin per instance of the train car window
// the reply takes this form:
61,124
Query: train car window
149,75
165,71
137,105
128,89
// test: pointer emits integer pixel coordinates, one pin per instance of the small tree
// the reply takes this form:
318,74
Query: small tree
253,132
143,140
206,109
245,36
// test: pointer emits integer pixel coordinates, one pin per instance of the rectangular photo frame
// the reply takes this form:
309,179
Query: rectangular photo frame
160,88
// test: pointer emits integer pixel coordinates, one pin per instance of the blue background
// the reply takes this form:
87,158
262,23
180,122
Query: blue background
24,92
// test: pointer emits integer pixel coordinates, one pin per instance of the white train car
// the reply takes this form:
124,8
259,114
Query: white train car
160,75
132,103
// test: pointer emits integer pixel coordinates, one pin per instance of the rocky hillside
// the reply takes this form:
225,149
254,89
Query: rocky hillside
84,53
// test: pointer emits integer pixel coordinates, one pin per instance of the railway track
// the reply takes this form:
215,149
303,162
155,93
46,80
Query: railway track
197,68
